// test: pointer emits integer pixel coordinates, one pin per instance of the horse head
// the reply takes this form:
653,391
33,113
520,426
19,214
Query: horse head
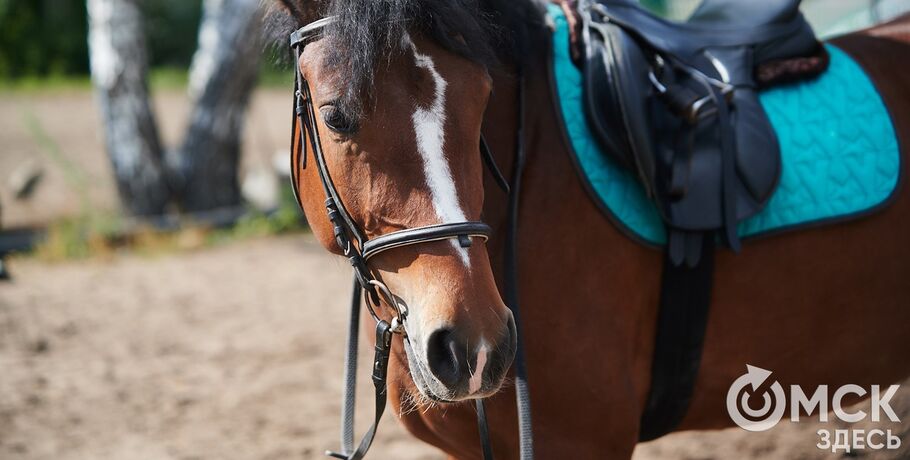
397,103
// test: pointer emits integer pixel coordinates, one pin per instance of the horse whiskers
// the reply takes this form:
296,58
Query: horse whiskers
467,357
408,404
507,383
414,401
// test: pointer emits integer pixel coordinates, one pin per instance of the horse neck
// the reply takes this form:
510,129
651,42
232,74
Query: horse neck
554,202
514,112
529,116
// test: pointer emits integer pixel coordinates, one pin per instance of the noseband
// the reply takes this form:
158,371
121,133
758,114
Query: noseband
359,249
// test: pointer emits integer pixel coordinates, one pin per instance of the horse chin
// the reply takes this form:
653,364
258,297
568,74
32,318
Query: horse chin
431,391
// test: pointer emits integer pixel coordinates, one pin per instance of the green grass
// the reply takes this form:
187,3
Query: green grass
30,85
273,78
99,235
73,174
164,78
168,78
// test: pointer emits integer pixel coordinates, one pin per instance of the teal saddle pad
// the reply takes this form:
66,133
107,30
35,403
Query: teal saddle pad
840,155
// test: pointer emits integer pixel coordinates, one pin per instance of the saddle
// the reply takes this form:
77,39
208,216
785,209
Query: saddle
677,104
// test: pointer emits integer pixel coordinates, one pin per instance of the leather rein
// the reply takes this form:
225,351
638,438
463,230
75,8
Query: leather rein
359,249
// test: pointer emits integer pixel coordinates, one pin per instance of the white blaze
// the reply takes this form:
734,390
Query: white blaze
429,127
477,377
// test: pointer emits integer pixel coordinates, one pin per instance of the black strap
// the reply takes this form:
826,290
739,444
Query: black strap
349,401
380,372
685,298
490,162
522,392
306,33
484,430
462,230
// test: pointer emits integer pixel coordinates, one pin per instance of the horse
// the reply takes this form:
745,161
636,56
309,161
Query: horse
405,89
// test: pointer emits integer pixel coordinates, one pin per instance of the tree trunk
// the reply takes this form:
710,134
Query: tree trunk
119,66
222,77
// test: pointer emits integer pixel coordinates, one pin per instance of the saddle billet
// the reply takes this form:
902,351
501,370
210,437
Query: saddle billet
677,104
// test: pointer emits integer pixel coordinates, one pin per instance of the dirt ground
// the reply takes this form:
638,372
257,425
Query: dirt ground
232,352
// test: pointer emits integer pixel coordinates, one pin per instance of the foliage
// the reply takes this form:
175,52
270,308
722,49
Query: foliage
172,28
166,78
101,236
40,38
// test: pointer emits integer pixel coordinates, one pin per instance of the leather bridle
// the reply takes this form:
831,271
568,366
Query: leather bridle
359,249
350,239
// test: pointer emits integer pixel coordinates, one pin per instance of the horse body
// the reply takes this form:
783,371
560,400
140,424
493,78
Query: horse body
818,306
827,305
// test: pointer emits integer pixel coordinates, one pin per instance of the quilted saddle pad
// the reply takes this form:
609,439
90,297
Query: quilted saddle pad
840,155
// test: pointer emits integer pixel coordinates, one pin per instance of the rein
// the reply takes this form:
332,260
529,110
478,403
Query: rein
359,249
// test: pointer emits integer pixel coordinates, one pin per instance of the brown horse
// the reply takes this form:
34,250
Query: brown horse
828,305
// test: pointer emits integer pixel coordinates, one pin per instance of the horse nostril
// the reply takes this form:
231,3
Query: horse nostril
446,358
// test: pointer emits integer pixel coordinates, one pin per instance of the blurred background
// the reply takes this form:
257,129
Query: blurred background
160,296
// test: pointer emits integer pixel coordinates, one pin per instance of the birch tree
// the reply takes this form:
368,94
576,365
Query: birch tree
222,76
201,174
119,67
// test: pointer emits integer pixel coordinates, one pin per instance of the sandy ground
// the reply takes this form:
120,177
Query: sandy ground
232,352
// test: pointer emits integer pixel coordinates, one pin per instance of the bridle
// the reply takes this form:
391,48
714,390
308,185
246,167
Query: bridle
350,239
359,249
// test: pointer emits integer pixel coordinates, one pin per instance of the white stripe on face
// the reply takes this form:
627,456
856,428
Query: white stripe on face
477,377
429,126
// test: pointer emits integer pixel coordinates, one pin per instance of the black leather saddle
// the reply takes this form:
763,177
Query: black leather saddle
677,104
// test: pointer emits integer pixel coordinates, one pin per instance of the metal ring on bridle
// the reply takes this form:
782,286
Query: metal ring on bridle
400,309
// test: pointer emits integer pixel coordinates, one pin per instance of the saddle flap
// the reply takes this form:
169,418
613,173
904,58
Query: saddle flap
617,94
602,105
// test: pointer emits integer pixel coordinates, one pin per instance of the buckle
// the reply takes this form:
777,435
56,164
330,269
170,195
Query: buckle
700,108
401,311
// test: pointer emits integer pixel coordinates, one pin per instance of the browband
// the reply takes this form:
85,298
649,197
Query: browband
309,31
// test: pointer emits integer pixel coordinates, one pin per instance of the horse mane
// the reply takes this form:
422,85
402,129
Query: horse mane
367,33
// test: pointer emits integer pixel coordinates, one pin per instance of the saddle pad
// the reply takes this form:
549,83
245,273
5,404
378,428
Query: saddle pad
840,155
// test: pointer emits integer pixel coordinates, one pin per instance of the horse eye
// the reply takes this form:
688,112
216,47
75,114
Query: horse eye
337,120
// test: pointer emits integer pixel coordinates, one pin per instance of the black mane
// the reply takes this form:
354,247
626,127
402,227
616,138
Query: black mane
368,32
